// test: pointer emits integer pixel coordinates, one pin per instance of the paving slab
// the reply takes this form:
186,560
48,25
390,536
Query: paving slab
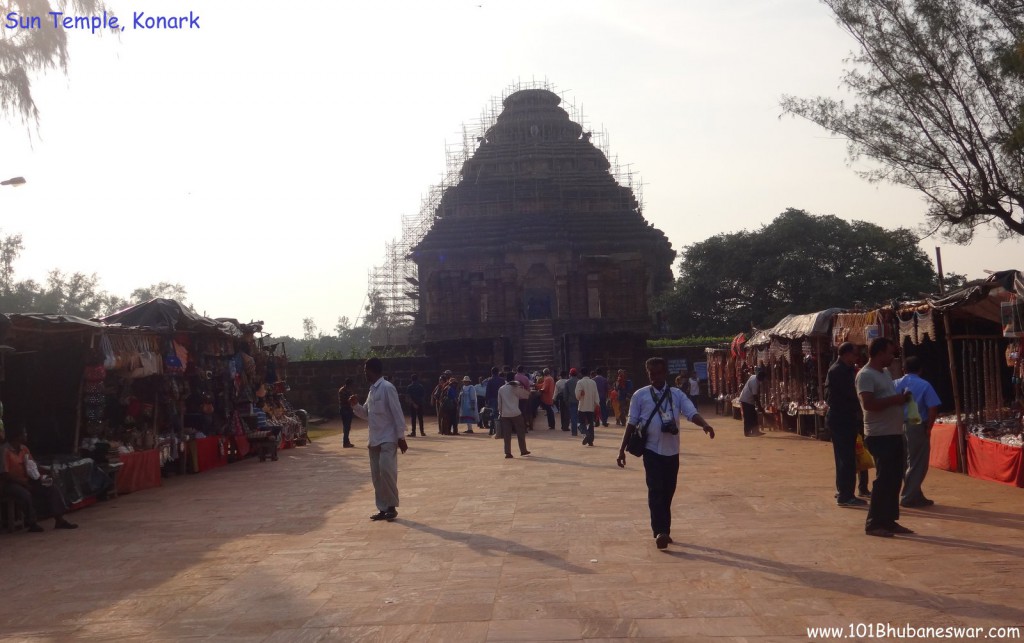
552,546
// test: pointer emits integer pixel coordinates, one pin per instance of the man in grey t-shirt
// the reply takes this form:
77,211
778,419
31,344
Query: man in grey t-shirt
883,430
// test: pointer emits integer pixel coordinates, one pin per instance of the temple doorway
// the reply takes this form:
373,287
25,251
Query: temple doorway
539,292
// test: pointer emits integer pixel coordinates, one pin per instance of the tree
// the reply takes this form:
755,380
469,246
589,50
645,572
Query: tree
10,250
799,263
940,105
309,330
26,52
76,294
163,290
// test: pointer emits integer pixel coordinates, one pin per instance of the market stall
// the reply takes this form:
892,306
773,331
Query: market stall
983,330
795,354
41,385
726,370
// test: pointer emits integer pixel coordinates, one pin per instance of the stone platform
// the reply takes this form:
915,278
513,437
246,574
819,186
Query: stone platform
553,546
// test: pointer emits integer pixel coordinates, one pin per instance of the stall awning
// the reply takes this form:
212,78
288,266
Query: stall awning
168,315
809,325
52,323
981,300
760,338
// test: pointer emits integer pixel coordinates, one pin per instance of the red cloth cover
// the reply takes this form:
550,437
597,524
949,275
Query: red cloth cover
141,470
241,446
994,461
943,451
207,453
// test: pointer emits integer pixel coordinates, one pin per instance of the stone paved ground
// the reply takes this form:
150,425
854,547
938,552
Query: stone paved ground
554,546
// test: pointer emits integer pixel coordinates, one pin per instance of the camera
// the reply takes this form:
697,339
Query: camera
670,428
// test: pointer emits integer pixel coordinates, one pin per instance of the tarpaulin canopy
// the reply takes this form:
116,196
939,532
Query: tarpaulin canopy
52,323
168,315
760,338
981,300
809,325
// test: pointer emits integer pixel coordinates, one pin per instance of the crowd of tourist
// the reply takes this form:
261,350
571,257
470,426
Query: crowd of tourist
578,401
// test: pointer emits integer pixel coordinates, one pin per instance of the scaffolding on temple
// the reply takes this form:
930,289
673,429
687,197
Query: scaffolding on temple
393,286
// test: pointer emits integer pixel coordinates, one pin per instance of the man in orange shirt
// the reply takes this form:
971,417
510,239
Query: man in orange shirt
546,388
16,484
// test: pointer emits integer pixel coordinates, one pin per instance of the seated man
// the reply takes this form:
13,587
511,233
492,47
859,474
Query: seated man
16,484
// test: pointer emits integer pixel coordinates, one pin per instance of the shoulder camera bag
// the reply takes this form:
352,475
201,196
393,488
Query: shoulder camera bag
638,441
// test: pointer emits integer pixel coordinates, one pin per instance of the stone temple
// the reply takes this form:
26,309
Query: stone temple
536,255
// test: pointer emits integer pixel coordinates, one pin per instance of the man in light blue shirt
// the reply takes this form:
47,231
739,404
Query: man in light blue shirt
383,413
660,407
918,435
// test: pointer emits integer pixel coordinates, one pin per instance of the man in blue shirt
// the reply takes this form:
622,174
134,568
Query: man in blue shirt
659,407
918,434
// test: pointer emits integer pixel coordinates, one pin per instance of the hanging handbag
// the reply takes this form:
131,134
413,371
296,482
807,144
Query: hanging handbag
637,442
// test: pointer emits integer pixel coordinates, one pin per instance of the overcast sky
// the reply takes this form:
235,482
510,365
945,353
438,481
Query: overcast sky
263,160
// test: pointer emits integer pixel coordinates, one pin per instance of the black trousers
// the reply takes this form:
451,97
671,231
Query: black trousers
36,501
415,413
885,494
549,410
587,425
844,445
662,472
749,418
346,425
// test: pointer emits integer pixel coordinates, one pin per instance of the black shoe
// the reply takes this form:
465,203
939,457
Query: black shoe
881,532
525,453
422,434
411,435
606,424
379,516
852,502
508,456
864,493
348,446
662,541
468,431
64,524
35,528
391,514
897,528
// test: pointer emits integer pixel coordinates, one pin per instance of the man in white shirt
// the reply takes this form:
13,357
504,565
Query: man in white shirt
659,407
883,437
383,413
694,389
588,399
749,403
511,415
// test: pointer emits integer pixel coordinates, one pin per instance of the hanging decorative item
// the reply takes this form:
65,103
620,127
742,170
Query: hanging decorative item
908,330
925,326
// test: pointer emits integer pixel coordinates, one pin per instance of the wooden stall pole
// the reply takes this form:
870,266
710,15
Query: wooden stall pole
81,403
938,265
961,434
819,421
